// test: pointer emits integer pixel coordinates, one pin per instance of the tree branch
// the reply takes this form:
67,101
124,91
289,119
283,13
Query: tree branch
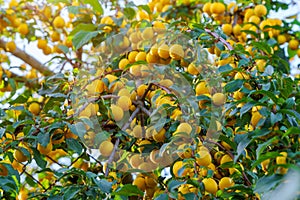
215,35
111,157
34,63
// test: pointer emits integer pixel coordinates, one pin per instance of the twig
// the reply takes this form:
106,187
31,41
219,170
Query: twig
111,157
92,100
146,91
231,155
34,63
235,19
214,34
246,179
95,159
38,182
131,118
163,87
68,59
221,146
140,105
21,79
54,161
74,161
147,112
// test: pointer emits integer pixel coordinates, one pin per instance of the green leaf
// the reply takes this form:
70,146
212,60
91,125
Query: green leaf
129,12
261,132
190,196
291,52
246,108
128,190
163,196
118,197
12,84
276,118
88,122
95,4
2,131
224,68
25,122
82,37
269,70
234,85
267,183
243,62
263,146
19,99
70,192
174,184
269,94
78,129
74,9
228,141
57,95
74,145
290,112
43,138
64,48
38,159
145,8
82,26
262,46
286,88
220,46
104,185
30,181
7,183
244,141
292,130
264,157
203,97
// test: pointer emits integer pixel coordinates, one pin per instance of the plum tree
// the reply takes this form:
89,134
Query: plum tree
187,99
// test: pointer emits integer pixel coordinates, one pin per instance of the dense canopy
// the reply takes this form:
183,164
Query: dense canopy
187,99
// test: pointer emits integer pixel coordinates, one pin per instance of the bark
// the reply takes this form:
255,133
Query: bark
34,63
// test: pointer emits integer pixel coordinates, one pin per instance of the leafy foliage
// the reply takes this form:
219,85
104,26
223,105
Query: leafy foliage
226,114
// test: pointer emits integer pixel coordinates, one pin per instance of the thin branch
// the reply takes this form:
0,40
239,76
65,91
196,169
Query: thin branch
74,161
38,182
22,79
92,100
146,91
111,157
163,87
95,159
131,118
54,161
246,178
147,112
34,63
221,146
139,104
215,35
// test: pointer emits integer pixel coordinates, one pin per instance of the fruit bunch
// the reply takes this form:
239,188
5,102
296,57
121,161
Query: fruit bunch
184,99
